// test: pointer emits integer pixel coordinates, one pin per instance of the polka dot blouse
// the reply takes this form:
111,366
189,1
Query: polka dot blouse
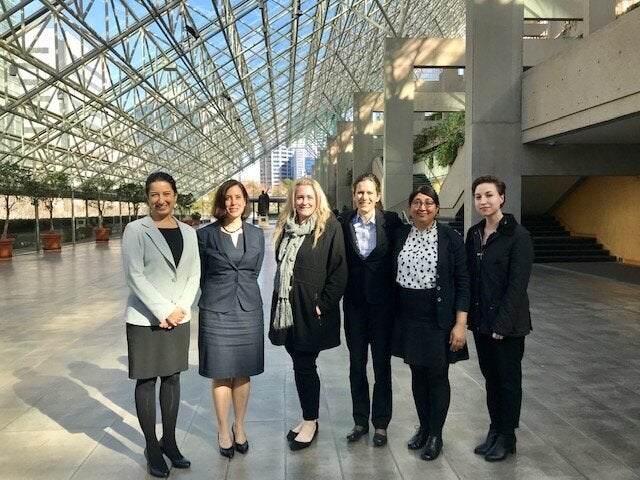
418,259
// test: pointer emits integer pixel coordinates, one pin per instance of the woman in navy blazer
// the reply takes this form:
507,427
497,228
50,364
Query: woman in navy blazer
160,257
432,286
231,333
368,310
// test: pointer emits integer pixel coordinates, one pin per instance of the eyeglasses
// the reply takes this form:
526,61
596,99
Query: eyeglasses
418,203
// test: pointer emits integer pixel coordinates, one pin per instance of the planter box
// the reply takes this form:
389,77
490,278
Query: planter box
6,248
102,235
51,242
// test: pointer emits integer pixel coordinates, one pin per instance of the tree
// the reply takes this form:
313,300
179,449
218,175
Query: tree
12,180
48,189
132,194
440,143
99,190
184,202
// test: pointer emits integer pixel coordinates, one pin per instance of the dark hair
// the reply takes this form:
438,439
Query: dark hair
368,176
160,177
425,190
219,209
500,186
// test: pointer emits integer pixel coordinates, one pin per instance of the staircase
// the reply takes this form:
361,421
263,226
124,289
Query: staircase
420,180
552,243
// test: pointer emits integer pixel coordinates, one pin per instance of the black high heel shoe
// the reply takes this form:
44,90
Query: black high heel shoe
160,470
295,445
178,461
225,452
240,447
418,440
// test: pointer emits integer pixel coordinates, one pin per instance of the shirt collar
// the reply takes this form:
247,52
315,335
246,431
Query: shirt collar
358,219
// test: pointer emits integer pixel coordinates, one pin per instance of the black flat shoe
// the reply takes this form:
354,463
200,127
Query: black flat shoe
225,452
503,446
240,447
291,435
419,439
432,449
295,445
379,440
160,470
483,448
177,461
357,433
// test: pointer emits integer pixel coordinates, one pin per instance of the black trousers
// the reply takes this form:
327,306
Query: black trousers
307,381
367,324
501,365
431,394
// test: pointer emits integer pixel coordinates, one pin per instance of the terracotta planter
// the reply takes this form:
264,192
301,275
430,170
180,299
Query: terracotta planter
102,234
51,242
6,248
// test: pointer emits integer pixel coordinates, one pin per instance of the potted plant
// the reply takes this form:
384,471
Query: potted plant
99,190
49,189
12,178
195,218
132,194
184,202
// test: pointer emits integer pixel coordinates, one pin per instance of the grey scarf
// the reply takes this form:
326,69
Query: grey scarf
292,237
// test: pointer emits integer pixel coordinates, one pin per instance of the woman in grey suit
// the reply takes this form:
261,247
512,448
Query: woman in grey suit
160,256
231,333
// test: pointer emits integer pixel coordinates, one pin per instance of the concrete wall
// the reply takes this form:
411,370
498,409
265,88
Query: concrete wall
607,208
593,81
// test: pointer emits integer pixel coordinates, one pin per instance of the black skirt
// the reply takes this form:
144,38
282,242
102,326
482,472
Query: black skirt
157,352
417,337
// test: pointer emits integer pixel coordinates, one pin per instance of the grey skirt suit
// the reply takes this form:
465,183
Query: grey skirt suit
231,325
157,285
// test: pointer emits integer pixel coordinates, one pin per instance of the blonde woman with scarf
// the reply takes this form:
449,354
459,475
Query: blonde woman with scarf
310,279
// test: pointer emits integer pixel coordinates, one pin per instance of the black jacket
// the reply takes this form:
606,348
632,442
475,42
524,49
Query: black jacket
319,278
221,280
452,279
499,277
370,279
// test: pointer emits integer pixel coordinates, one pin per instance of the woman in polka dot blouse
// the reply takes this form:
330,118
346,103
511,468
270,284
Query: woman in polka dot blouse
432,300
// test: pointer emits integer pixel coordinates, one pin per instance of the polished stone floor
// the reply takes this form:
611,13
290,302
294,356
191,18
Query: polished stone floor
67,412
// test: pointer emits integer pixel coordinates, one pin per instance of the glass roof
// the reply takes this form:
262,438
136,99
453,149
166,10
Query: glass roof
199,88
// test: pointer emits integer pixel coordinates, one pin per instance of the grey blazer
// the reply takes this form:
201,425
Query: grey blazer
223,281
157,286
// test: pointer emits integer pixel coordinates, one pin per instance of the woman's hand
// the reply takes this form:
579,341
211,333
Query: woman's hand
457,337
174,318
497,336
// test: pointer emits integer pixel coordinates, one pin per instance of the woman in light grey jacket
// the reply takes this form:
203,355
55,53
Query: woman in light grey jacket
162,270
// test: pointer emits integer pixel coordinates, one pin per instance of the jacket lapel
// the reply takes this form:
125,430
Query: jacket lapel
158,240
218,241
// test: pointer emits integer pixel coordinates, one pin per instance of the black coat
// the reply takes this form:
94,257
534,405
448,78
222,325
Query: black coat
370,279
452,279
221,280
499,278
319,278
452,290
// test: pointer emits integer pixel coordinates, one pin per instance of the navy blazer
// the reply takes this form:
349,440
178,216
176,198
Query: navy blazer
221,280
452,278
370,279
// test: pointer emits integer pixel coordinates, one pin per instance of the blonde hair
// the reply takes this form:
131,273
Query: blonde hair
322,213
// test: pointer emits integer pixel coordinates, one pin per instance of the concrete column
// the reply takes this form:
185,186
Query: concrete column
493,98
344,169
399,90
597,14
364,104
332,152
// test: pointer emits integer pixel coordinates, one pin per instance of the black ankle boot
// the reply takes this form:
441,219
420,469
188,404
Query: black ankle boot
484,447
432,448
419,439
504,445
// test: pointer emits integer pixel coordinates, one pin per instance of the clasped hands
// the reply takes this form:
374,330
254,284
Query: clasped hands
174,318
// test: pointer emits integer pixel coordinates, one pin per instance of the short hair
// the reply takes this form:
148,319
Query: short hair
219,209
500,186
368,176
427,190
160,177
